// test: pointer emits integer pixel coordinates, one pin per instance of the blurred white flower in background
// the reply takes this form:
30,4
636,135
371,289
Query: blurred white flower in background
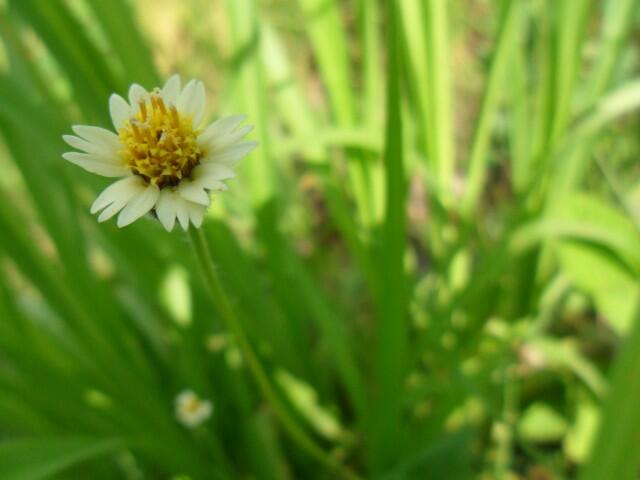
168,163
191,410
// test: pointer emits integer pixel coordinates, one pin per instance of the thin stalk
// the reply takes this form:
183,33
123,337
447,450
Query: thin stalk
440,93
572,27
221,301
504,457
417,71
477,169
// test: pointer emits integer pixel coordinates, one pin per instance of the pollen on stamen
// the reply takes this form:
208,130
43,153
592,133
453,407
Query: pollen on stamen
136,131
160,105
143,110
159,143
175,116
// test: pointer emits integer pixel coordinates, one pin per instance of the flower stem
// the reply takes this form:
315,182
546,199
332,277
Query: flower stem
260,376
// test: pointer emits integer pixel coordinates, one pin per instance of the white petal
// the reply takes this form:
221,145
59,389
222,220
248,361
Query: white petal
97,135
111,159
105,166
166,211
125,195
171,90
219,142
111,210
171,205
139,205
220,127
125,188
182,212
192,101
233,137
231,155
186,98
197,108
193,192
196,214
185,397
206,407
213,171
88,147
214,185
137,93
119,109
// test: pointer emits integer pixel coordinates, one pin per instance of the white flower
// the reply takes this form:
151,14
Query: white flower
191,410
168,163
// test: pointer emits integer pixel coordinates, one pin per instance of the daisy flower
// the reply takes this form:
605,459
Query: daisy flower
169,164
191,410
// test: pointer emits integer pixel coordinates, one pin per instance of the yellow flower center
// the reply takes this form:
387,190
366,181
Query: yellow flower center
160,143
192,405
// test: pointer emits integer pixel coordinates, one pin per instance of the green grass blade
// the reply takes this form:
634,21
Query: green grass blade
618,20
520,131
250,95
477,165
39,459
371,67
617,25
324,26
66,40
418,75
392,298
330,48
293,106
570,31
116,18
616,453
441,119
298,293
573,149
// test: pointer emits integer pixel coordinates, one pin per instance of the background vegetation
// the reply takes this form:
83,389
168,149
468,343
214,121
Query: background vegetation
435,250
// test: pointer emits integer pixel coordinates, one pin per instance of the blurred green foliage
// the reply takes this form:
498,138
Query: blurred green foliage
435,250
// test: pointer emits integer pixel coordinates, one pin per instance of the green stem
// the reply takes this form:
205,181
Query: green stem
477,170
507,423
260,376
